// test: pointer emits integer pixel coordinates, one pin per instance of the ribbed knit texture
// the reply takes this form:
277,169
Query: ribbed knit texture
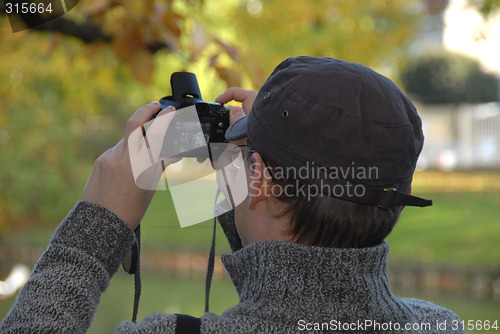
278,283
281,283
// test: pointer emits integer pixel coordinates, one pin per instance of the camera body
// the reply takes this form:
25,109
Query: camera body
183,133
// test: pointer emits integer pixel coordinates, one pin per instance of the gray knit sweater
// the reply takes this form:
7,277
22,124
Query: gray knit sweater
283,287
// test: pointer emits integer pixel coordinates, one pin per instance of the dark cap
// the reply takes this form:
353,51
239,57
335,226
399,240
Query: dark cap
338,126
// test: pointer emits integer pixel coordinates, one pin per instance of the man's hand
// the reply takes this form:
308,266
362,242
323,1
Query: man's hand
245,96
112,184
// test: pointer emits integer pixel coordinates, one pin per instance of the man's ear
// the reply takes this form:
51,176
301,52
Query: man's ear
259,182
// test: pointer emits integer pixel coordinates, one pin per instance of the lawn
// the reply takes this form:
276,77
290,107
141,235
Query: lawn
460,228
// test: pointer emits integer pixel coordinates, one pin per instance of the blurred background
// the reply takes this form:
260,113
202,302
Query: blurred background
67,88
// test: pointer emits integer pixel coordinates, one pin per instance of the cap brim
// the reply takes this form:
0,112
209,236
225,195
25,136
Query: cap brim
237,130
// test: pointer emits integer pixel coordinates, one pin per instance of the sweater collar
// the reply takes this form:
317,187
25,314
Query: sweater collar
282,272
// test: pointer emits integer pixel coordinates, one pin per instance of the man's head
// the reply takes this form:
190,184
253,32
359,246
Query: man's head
343,140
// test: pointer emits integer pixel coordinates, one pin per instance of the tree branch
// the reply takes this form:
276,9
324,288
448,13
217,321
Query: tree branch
87,32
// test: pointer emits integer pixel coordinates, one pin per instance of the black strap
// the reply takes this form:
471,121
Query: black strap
391,197
137,275
210,269
186,324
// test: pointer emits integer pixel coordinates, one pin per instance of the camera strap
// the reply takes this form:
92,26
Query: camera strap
211,260
210,269
137,275
131,265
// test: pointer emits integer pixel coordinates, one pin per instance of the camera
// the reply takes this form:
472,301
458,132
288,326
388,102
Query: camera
184,135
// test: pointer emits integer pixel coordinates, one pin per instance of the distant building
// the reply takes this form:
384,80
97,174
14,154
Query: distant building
466,31
460,136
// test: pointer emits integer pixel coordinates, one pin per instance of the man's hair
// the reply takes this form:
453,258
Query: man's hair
326,221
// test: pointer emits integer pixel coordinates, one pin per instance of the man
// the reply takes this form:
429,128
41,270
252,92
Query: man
329,149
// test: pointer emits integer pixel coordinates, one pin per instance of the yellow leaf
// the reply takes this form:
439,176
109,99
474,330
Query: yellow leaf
96,6
128,41
255,71
171,20
230,50
230,76
93,49
199,41
142,66
142,8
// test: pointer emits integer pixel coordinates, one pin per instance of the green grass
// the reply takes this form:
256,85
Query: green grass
460,228
160,229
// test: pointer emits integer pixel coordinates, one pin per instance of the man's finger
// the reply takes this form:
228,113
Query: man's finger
144,151
240,95
156,133
141,116
235,114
